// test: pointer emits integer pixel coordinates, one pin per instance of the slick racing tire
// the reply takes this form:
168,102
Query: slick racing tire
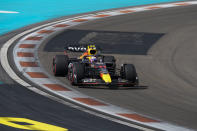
128,72
76,73
60,65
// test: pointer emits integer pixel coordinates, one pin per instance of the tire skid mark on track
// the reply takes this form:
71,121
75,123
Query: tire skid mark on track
43,79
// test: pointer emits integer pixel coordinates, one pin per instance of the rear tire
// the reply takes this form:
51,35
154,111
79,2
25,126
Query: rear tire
60,65
128,72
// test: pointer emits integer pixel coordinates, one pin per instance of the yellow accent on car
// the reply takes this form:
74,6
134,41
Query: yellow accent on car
31,125
106,78
91,50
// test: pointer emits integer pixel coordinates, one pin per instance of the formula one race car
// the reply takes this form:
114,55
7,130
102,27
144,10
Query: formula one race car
91,68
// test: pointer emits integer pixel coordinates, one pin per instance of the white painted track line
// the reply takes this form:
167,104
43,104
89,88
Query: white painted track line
73,95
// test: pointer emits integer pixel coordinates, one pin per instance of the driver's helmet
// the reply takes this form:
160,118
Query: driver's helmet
91,50
92,59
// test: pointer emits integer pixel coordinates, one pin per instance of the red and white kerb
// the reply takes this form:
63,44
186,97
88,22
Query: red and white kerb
26,59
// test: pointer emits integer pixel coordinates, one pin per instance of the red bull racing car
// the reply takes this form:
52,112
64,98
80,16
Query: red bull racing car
91,68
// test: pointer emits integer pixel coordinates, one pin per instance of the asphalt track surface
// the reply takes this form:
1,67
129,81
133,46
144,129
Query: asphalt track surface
17,101
161,44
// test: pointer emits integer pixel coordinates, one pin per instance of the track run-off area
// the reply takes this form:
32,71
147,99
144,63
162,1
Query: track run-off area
153,39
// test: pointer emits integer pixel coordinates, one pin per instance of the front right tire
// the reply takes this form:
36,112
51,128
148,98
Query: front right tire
128,72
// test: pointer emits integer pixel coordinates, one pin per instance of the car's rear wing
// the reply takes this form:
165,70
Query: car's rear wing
78,48
75,48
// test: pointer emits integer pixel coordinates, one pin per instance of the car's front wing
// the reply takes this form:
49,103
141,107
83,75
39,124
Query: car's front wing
115,82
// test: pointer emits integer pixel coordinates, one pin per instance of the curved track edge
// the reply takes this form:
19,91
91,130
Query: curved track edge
26,60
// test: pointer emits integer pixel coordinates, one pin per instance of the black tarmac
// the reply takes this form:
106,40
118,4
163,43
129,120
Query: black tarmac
18,102
161,43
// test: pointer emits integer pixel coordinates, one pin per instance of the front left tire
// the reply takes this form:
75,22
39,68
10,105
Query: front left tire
76,73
